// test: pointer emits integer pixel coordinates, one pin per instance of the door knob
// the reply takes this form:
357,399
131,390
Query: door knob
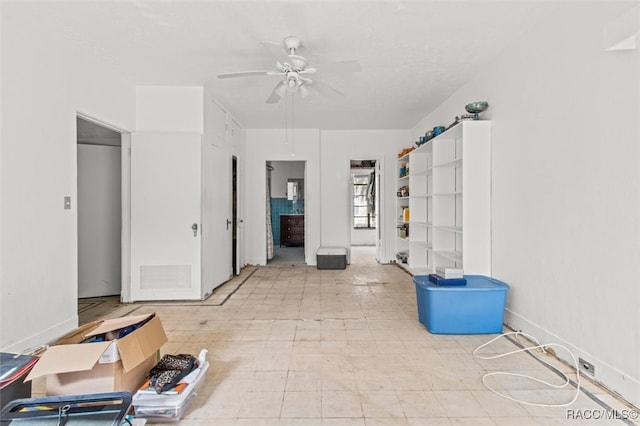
228,223
194,227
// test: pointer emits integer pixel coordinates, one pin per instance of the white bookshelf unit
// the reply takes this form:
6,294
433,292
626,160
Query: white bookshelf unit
450,201
402,203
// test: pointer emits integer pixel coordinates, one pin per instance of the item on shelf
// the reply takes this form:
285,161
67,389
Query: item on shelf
404,169
403,191
405,151
455,122
476,108
405,214
403,231
438,130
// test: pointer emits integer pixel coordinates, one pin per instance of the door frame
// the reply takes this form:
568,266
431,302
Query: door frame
379,188
125,194
306,234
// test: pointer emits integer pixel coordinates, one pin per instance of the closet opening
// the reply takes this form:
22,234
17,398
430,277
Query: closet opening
100,212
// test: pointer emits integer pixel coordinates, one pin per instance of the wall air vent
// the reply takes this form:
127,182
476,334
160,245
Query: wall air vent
165,277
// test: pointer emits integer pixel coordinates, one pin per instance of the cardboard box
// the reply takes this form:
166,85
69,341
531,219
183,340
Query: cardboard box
116,364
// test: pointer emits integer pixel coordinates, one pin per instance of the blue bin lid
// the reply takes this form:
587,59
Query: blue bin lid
478,282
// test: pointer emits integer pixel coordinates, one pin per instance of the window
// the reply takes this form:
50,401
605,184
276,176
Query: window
364,214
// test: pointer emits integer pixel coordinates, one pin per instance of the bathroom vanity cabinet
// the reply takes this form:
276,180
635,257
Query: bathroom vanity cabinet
291,229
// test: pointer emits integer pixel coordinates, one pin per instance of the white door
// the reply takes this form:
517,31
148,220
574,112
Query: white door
165,216
217,225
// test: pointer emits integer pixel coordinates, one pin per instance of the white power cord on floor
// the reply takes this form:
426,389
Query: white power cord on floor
529,349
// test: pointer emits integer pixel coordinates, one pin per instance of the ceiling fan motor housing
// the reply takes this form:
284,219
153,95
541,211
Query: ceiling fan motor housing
292,43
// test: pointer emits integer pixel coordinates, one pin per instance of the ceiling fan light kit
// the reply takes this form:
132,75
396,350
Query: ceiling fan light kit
293,68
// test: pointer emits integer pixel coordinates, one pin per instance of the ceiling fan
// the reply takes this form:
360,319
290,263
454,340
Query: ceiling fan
294,70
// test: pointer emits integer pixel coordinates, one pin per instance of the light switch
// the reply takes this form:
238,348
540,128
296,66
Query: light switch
67,203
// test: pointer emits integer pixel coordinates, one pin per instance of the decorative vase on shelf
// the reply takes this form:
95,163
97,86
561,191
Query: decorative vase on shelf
476,108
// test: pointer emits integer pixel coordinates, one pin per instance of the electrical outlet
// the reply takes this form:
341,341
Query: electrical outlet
587,367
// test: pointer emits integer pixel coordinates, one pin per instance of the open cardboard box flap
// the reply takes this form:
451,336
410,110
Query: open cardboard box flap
68,358
116,324
70,355
136,347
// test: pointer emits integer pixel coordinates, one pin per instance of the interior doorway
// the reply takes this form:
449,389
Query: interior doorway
285,209
234,215
99,207
364,214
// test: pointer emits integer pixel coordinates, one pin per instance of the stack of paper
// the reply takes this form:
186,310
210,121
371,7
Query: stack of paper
448,273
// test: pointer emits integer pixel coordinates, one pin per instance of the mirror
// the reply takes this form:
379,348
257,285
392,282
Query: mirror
295,189
292,191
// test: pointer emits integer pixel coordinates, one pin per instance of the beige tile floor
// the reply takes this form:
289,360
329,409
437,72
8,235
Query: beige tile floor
300,346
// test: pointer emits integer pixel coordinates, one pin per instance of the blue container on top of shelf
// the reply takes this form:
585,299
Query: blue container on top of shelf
475,308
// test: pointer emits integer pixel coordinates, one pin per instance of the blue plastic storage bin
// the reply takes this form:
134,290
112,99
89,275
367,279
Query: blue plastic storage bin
476,308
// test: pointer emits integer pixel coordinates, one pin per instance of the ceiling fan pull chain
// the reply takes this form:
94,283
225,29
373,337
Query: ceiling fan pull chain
293,129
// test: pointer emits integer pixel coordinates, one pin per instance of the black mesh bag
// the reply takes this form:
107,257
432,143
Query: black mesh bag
168,372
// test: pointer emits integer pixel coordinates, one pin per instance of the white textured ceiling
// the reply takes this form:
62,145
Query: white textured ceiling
414,54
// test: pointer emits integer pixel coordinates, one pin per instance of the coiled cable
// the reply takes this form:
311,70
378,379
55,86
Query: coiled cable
528,349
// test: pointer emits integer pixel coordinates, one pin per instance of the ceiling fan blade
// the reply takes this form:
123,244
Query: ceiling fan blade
327,90
277,51
277,93
246,74
342,66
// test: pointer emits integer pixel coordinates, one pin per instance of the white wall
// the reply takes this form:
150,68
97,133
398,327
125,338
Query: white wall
566,187
338,148
169,109
99,220
264,145
44,85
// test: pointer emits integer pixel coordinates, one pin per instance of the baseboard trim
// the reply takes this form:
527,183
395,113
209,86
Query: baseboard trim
606,375
44,337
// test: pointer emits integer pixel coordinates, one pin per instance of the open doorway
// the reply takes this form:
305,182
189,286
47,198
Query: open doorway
235,265
99,207
364,212
285,212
